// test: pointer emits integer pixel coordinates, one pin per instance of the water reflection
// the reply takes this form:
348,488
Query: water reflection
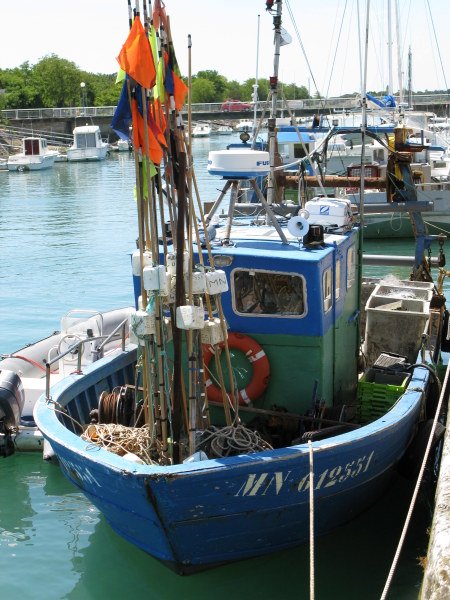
352,563
44,525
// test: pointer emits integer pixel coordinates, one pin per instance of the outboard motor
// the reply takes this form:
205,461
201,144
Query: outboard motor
11,404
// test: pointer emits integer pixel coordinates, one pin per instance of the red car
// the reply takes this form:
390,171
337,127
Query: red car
235,105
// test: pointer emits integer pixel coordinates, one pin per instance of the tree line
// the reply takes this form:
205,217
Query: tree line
55,82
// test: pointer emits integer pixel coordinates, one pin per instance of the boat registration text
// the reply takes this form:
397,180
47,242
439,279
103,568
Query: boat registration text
273,482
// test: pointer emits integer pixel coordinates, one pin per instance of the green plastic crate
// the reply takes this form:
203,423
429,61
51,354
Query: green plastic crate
377,392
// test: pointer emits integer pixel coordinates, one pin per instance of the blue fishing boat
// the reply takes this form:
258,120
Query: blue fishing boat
243,404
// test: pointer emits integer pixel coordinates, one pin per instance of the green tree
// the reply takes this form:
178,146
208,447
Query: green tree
202,90
19,88
248,86
58,81
219,82
100,89
293,92
232,91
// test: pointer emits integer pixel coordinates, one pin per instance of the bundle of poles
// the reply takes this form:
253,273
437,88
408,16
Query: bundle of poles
171,411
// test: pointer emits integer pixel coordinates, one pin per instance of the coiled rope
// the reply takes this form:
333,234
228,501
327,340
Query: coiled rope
123,440
218,442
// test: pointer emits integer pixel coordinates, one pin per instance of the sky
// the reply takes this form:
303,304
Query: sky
224,34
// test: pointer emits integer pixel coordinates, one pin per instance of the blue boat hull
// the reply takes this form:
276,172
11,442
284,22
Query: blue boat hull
197,515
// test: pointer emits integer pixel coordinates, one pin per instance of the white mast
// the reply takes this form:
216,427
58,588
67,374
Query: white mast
409,78
364,123
390,86
273,115
255,87
399,55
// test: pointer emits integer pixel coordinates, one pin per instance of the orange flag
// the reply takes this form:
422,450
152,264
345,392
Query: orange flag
180,91
136,58
151,123
158,116
155,150
159,14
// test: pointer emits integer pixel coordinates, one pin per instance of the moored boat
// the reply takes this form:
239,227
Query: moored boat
87,144
202,445
23,372
244,125
225,130
35,156
202,130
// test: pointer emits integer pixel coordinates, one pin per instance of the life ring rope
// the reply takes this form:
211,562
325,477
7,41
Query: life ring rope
258,359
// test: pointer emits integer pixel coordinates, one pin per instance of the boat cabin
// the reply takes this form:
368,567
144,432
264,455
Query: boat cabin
34,146
290,148
299,302
88,136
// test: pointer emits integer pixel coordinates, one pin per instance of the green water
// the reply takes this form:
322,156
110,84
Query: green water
54,544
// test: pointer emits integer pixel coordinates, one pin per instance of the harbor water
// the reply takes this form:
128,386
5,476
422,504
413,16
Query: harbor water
66,235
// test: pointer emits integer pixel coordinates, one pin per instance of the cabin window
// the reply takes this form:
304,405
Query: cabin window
351,266
327,284
86,140
299,152
378,156
283,151
337,293
268,293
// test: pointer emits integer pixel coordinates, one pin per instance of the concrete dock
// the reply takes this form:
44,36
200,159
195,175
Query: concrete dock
436,581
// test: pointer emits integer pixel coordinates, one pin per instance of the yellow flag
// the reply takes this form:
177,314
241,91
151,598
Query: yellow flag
120,76
144,175
158,90
153,44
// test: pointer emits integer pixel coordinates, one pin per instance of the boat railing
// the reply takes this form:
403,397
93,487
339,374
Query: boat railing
76,349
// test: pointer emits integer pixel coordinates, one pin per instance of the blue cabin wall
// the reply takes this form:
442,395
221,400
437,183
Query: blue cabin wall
318,346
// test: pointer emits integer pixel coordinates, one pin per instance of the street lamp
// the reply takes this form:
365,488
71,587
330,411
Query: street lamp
83,94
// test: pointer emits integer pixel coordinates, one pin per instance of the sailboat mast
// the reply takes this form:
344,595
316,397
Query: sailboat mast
274,91
255,87
364,123
409,78
399,55
390,85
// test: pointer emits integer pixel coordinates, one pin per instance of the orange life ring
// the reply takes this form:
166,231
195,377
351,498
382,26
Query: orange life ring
259,360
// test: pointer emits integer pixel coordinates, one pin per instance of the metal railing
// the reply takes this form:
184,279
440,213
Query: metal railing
331,104
16,134
76,349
